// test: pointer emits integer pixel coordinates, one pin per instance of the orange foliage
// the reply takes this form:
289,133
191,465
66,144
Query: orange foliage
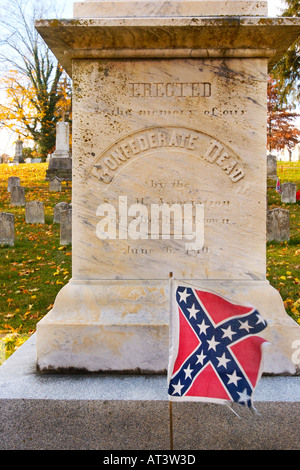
281,131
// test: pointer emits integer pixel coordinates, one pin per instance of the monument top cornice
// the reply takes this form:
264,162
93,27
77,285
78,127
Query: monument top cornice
169,37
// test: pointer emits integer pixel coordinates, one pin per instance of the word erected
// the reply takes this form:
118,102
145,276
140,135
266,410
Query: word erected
170,90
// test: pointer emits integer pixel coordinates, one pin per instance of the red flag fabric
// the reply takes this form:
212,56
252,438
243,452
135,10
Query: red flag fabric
215,353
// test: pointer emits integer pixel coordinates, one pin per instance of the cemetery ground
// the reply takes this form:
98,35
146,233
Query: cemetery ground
37,266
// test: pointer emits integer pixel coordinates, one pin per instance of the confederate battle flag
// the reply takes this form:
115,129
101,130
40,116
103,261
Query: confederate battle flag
215,353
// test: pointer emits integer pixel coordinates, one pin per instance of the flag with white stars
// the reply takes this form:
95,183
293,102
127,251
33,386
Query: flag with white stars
215,353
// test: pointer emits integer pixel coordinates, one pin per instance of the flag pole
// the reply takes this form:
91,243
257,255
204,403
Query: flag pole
170,402
171,424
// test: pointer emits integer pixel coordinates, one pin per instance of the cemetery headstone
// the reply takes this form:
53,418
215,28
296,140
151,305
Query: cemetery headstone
55,184
7,229
60,161
288,193
17,196
34,212
169,175
271,166
66,226
278,225
57,210
12,181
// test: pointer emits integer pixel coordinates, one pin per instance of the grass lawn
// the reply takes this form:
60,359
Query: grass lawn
37,267
283,259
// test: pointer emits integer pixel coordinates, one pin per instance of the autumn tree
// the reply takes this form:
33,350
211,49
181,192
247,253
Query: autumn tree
281,131
37,92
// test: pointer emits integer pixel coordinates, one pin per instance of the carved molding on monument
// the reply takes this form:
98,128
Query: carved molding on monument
179,37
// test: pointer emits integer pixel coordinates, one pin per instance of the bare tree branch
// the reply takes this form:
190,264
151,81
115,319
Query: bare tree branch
23,50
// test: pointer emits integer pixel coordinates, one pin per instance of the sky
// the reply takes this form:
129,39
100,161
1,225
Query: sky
7,139
68,10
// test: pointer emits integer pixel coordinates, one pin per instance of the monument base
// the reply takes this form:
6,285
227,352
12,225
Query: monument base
122,326
109,412
60,167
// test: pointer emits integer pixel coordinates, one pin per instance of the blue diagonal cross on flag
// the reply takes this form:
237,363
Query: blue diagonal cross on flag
215,355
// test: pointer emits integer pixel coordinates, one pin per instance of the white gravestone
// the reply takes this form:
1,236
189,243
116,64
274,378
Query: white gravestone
62,148
18,158
169,175
60,161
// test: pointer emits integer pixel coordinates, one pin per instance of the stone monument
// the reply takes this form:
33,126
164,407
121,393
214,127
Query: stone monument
60,162
18,158
169,175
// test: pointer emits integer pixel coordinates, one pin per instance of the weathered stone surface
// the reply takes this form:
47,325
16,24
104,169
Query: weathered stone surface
288,193
175,37
66,226
34,212
12,181
135,411
109,9
57,210
55,184
271,166
60,168
7,229
278,225
17,196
